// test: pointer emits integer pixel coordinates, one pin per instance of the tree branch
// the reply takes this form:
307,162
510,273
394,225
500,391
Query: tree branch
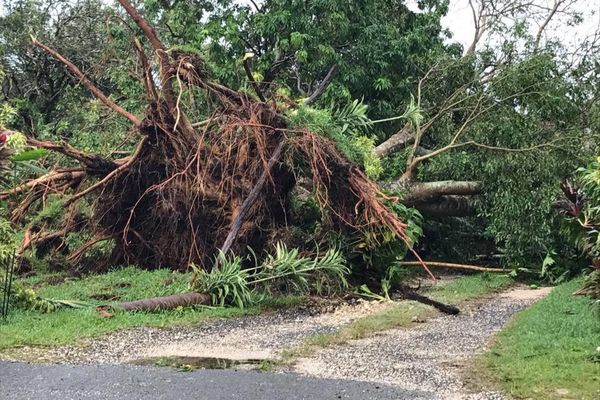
423,192
397,141
111,175
87,83
322,86
252,80
252,196
144,25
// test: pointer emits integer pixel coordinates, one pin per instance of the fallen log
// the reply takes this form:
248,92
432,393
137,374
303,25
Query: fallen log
454,266
166,302
409,294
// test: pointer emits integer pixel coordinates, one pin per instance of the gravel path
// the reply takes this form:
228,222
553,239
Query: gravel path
252,337
427,357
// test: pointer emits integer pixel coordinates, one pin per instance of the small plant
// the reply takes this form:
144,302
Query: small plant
230,284
28,299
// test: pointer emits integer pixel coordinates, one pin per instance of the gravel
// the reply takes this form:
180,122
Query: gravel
428,357
252,337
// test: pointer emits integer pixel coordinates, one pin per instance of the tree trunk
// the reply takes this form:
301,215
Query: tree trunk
448,206
167,302
426,192
397,141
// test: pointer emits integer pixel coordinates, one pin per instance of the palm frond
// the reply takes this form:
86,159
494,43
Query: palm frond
352,117
297,273
226,284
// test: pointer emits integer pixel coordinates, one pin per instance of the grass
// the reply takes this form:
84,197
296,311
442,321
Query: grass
66,326
549,350
401,314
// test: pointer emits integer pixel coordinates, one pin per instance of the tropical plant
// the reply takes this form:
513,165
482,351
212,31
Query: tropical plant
230,284
580,208
27,298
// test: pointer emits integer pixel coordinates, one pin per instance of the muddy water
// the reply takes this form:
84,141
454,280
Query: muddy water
184,363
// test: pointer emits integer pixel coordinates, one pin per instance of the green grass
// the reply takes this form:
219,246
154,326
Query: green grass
66,326
402,314
549,350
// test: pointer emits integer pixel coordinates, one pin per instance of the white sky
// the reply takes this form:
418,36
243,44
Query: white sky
459,21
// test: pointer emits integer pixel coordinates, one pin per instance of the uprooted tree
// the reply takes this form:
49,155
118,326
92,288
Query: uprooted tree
191,189
493,130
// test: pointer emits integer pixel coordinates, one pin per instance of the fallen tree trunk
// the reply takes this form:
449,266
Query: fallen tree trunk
447,206
424,192
397,141
166,302
466,267
410,294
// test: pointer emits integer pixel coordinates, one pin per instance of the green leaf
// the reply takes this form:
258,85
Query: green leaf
29,155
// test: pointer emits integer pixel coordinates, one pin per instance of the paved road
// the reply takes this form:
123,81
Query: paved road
20,381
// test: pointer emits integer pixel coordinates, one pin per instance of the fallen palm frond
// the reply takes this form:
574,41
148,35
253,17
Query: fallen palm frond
226,284
230,284
29,299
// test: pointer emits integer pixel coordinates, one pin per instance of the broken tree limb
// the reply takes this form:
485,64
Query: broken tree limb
466,267
166,302
322,86
47,180
423,192
409,294
249,201
111,175
252,80
144,25
87,83
397,141
93,162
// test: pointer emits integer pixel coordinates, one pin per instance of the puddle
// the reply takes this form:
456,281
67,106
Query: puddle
183,363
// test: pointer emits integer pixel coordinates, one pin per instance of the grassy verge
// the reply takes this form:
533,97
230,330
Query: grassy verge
65,326
401,314
549,350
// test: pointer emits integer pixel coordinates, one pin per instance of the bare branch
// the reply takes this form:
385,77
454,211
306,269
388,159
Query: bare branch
144,25
252,80
540,31
111,175
322,86
87,83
